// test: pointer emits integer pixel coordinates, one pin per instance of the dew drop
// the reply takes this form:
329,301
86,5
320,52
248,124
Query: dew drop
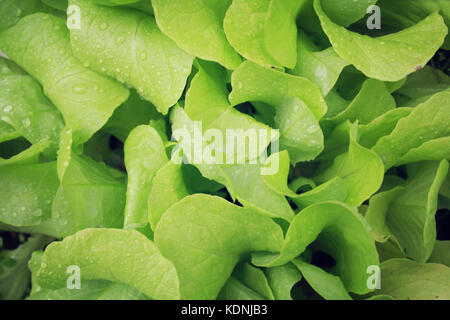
78,89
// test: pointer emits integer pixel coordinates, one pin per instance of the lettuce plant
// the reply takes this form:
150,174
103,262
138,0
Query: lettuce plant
224,149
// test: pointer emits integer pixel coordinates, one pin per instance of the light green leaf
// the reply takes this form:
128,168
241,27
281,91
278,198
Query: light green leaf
408,212
282,279
441,253
168,187
236,290
252,82
278,181
422,85
7,132
91,290
300,133
27,192
327,285
332,190
280,31
148,60
24,107
132,113
346,12
244,27
14,273
409,280
361,169
196,26
426,123
382,126
12,10
86,99
263,31
327,224
241,172
28,156
254,278
90,195
90,250
372,101
206,101
206,242
243,181
321,67
145,154
390,57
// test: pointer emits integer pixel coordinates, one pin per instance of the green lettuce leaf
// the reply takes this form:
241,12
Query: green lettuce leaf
361,169
409,280
27,192
252,82
91,250
282,279
24,107
441,253
327,224
148,60
410,140
327,285
91,290
322,67
346,12
390,57
168,187
86,99
196,26
300,133
250,279
408,213
243,181
206,242
14,273
144,156
263,31
372,101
